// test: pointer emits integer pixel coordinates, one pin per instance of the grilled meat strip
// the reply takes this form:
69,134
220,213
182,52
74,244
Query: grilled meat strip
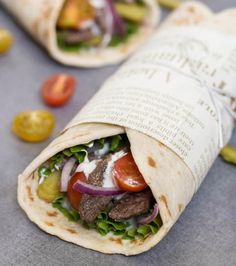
132,205
91,206
77,37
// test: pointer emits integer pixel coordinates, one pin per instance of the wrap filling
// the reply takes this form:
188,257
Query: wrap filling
98,185
88,24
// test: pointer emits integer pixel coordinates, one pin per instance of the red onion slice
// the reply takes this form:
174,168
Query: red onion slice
118,22
65,175
148,219
103,6
108,28
95,190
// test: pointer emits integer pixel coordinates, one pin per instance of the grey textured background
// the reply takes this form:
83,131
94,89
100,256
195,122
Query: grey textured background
204,235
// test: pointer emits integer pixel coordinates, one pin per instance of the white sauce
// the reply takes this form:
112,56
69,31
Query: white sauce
66,204
90,144
108,180
118,197
132,223
57,167
96,30
87,24
102,151
41,179
97,3
87,167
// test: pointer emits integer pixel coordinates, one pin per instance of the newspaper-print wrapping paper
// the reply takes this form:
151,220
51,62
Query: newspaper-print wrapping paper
179,89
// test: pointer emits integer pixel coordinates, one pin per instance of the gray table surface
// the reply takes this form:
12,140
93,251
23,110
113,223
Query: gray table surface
204,235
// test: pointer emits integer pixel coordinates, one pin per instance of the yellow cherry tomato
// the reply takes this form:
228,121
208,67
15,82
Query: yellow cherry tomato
33,126
6,40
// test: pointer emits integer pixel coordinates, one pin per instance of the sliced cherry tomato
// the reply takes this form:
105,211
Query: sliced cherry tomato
75,196
127,175
74,13
33,126
58,89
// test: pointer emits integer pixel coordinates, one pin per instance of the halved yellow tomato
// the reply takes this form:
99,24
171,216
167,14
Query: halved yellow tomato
33,126
6,40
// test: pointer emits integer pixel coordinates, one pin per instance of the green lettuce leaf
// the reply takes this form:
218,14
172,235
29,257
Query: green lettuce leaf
100,143
43,171
80,152
69,213
67,152
115,143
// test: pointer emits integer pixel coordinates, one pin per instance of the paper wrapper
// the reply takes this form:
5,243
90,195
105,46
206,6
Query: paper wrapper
166,108
39,18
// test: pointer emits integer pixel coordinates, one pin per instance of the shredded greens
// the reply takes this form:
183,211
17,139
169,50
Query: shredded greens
67,153
142,231
140,2
104,225
43,171
69,47
56,162
70,213
130,29
100,143
79,152
115,143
